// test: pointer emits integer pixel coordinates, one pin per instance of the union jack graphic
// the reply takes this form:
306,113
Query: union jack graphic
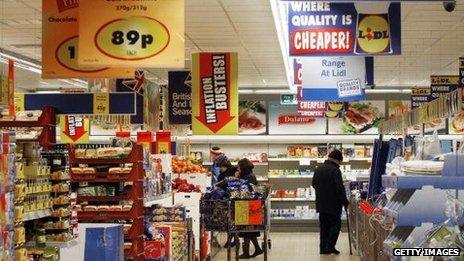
135,84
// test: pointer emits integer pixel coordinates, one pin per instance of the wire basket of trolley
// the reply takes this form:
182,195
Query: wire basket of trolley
236,208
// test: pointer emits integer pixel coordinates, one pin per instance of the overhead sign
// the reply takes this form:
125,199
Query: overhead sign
132,33
215,94
327,29
419,96
441,84
74,129
461,72
180,97
297,71
333,78
60,37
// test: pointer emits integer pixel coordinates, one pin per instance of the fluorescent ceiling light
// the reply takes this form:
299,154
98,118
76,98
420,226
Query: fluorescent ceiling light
264,91
279,12
37,68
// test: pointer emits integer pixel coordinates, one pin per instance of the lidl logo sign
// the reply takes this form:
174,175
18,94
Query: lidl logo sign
373,34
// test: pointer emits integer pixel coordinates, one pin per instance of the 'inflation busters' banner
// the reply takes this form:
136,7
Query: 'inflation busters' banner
327,29
214,94
333,78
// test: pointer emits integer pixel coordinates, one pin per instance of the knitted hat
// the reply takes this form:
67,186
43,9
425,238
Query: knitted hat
216,150
336,155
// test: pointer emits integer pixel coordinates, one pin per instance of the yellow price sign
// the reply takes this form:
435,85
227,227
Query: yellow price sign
66,55
133,38
19,102
101,103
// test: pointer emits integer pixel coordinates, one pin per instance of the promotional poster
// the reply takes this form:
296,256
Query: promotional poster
328,29
180,97
215,94
285,120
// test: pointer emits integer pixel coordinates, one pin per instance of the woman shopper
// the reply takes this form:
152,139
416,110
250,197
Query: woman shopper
225,170
245,172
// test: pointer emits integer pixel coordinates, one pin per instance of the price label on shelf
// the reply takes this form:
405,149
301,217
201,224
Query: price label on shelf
305,162
101,103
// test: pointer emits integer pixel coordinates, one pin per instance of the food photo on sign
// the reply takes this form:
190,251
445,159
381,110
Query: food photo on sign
360,118
252,117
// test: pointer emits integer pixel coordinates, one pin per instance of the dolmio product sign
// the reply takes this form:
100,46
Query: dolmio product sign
323,29
214,94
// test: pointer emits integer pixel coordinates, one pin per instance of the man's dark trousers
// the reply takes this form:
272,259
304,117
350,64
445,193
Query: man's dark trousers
330,225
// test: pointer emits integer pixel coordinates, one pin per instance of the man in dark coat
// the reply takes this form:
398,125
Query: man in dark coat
330,199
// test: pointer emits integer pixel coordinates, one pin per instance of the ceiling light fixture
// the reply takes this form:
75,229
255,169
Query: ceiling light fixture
35,68
279,12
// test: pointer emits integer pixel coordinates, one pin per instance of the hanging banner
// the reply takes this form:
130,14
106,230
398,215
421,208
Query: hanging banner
74,129
327,29
180,97
297,71
132,33
441,84
333,78
285,120
215,94
60,37
461,72
11,88
419,96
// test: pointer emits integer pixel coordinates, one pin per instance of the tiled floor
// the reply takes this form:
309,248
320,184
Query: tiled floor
298,247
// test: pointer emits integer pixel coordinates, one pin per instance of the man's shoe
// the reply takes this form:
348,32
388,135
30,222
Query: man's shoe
244,256
335,251
325,252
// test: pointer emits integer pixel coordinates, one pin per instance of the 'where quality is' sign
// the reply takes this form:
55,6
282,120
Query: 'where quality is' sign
134,33
214,94
324,29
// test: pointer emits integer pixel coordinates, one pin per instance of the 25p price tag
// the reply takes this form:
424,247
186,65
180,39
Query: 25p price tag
132,38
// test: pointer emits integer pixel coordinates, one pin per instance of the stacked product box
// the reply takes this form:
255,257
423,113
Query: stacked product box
7,206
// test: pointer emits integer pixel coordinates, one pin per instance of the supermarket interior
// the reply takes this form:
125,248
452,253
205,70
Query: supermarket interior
196,130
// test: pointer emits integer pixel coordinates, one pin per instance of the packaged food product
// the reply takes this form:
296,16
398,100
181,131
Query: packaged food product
115,208
77,170
90,208
79,153
89,170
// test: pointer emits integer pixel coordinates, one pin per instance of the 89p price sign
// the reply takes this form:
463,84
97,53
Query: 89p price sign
134,38
132,34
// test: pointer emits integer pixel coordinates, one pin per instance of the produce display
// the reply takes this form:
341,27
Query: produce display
181,185
182,165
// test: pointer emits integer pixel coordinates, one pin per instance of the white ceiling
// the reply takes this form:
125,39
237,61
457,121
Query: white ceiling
432,40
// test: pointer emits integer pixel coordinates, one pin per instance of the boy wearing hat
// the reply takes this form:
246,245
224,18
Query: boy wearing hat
330,200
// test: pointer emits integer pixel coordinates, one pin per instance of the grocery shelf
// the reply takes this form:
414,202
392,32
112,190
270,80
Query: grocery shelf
278,139
291,177
419,181
207,163
291,139
292,199
314,159
37,214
